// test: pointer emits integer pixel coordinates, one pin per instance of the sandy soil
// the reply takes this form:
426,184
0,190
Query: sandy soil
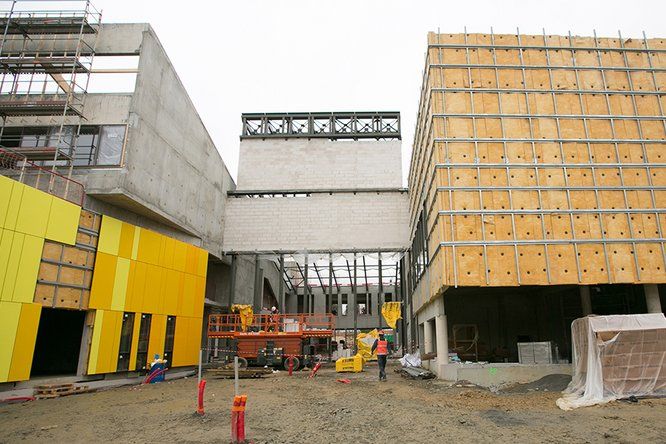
296,409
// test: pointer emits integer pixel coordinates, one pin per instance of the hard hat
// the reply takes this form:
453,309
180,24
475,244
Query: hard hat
273,308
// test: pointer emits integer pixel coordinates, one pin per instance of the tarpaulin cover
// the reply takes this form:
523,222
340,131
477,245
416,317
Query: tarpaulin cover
391,313
246,315
616,357
364,342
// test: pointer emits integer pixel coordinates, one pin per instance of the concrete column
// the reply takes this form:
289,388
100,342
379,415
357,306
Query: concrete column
427,337
652,298
585,300
441,330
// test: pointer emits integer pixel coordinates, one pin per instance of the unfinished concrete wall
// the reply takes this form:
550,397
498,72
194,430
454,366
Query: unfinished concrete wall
301,164
343,221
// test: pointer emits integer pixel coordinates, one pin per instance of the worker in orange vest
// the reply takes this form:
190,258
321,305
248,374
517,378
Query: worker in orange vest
382,346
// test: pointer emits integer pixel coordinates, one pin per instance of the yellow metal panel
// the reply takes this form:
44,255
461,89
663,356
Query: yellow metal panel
10,313
63,221
162,251
120,284
103,280
194,340
157,333
12,267
109,236
138,295
189,292
180,342
6,239
191,259
14,206
115,343
24,346
6,186
170,245
202,263
179,255
135,243
126,240
151,300
95,343
33,212
26,277
172,284
108,354
149,247
135,340
181,291
129,296
199,296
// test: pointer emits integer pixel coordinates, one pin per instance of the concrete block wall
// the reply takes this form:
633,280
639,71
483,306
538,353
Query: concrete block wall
341,221
301,164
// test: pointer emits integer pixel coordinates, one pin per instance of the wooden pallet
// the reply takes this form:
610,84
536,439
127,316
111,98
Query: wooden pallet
49,391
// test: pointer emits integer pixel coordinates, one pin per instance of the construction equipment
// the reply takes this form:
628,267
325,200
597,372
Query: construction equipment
270,339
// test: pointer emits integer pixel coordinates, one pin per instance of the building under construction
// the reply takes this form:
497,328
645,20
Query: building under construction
536,191
536,195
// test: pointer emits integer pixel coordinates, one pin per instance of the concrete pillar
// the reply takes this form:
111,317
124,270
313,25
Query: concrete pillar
442,339
427,337
585,300
652,298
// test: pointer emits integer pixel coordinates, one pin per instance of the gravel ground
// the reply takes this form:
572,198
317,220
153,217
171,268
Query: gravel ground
283,409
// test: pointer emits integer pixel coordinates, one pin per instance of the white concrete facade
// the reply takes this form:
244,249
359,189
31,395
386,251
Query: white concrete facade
279,164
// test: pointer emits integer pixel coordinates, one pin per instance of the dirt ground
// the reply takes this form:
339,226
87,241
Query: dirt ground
283,409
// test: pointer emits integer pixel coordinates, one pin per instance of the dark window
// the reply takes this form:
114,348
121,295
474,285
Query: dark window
388,297
125,342
334,304
362,306
144,336
168,339
343,305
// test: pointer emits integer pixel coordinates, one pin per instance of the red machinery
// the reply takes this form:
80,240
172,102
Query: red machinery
271,338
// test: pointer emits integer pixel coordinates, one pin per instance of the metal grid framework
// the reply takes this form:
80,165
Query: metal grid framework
334,125
539,159
46,57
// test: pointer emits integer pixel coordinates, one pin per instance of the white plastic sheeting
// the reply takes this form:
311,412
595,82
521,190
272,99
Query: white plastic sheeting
616,357
413,360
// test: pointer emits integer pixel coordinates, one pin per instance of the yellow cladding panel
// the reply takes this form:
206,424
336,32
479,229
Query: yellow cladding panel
169,248
6,239
10,313
12,267
157,333
115,345
129,295
180,342
103,279
173,282
135,243
120,284
194,340
14,206
107,341
34,211
199,295
149,247
151,293
6,186
202,264
188,296
26,277
126,240
63,221
179,256
24,346
135,340
191,260
138,287
95,343
109,236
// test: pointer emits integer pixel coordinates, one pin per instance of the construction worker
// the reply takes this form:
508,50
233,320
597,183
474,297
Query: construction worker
382,346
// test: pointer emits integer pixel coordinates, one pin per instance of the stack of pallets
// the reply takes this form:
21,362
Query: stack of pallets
48,391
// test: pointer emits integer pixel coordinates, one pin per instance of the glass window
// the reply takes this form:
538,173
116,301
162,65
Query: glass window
111,142
144,336
86,146
125,342
169,338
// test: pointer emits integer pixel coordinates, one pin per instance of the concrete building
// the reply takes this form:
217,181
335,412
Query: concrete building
144,188
536,192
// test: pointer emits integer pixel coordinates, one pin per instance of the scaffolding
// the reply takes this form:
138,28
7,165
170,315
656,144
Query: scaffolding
46,57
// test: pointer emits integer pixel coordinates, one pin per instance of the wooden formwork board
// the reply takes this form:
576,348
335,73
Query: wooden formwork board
586,162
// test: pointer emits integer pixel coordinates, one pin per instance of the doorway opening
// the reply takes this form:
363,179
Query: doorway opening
58,342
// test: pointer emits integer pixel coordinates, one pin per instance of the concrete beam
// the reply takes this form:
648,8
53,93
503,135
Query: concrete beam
652,298
585,300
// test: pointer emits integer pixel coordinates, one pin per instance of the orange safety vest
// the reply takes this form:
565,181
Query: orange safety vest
382,347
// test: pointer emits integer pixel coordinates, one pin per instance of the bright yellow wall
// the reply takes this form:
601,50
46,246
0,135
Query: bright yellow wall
27,217
141,271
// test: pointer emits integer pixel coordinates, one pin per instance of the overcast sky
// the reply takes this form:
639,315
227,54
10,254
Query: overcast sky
340,55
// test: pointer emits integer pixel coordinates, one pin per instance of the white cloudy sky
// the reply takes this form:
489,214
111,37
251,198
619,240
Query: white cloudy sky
310,55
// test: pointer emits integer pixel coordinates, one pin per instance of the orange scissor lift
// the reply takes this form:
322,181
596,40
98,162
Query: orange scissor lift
272,339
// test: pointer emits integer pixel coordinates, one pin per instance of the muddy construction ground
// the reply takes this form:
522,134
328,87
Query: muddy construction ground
283,409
